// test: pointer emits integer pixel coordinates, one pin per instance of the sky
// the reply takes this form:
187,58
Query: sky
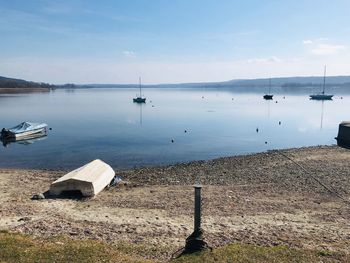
172,41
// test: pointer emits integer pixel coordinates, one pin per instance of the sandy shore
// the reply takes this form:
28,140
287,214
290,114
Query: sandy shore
264,199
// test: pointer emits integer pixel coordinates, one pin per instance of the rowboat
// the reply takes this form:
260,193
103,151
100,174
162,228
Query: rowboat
86,181
24,130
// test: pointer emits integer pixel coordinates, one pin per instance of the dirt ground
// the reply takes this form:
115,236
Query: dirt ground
264,199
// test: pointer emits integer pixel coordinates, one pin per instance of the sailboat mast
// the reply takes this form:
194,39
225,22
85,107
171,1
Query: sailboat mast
324,79
269,85
140,86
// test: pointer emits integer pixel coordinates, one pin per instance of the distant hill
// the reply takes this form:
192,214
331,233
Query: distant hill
10,85
302,81
337,84
262,82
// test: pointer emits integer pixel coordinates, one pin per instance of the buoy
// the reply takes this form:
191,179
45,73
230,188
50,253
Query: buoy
185,131
172,140
276,101
279,123
265,142
257,129
50,129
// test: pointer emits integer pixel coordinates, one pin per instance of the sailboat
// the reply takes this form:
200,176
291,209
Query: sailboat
269,95
139,99
322,95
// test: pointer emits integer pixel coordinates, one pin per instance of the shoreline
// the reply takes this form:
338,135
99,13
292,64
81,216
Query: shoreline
165,165
263,199
10,91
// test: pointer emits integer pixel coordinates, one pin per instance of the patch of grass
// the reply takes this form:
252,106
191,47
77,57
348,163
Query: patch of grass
254,254
18,248
159,252
23,248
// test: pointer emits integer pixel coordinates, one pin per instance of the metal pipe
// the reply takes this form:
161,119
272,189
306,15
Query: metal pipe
197,206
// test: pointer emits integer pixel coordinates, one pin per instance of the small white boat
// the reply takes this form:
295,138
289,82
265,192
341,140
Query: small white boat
23,130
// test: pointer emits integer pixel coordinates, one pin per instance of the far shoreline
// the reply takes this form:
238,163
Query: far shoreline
5,91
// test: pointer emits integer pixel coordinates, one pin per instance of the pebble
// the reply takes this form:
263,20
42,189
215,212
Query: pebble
39,196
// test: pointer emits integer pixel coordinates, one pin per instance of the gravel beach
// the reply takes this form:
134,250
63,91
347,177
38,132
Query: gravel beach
296,197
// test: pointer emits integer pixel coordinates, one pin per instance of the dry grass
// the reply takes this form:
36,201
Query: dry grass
23,248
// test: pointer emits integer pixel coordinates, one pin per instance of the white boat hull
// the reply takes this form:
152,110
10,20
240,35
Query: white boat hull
24,130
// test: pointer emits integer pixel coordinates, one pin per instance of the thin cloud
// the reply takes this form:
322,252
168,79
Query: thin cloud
314,41
308,42
327,49
129,54
264,60
321,46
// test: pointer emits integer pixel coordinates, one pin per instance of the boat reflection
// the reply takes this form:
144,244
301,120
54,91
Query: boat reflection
322,113
24,140
140,114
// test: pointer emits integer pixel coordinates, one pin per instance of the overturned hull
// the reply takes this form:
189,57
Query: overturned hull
89,180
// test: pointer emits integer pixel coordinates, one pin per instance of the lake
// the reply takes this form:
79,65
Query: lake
104,123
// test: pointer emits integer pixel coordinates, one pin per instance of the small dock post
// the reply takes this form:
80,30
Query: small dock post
195,242
197,206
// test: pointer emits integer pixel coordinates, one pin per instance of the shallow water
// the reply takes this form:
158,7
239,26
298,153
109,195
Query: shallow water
105,123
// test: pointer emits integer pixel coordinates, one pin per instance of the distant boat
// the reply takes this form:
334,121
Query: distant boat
139,99
269,96
24,130
322,95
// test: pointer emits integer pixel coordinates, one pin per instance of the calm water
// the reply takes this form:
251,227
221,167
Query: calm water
105,123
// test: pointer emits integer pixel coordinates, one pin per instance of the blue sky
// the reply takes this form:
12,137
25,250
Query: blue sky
173,41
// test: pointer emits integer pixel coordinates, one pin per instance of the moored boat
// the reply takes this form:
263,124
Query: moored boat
23,130
268,96
322,95
139,99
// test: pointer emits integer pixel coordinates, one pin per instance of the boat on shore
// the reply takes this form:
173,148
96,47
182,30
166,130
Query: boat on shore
23,131
139,99
322,95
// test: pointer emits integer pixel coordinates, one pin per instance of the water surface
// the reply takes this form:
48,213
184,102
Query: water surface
105,123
